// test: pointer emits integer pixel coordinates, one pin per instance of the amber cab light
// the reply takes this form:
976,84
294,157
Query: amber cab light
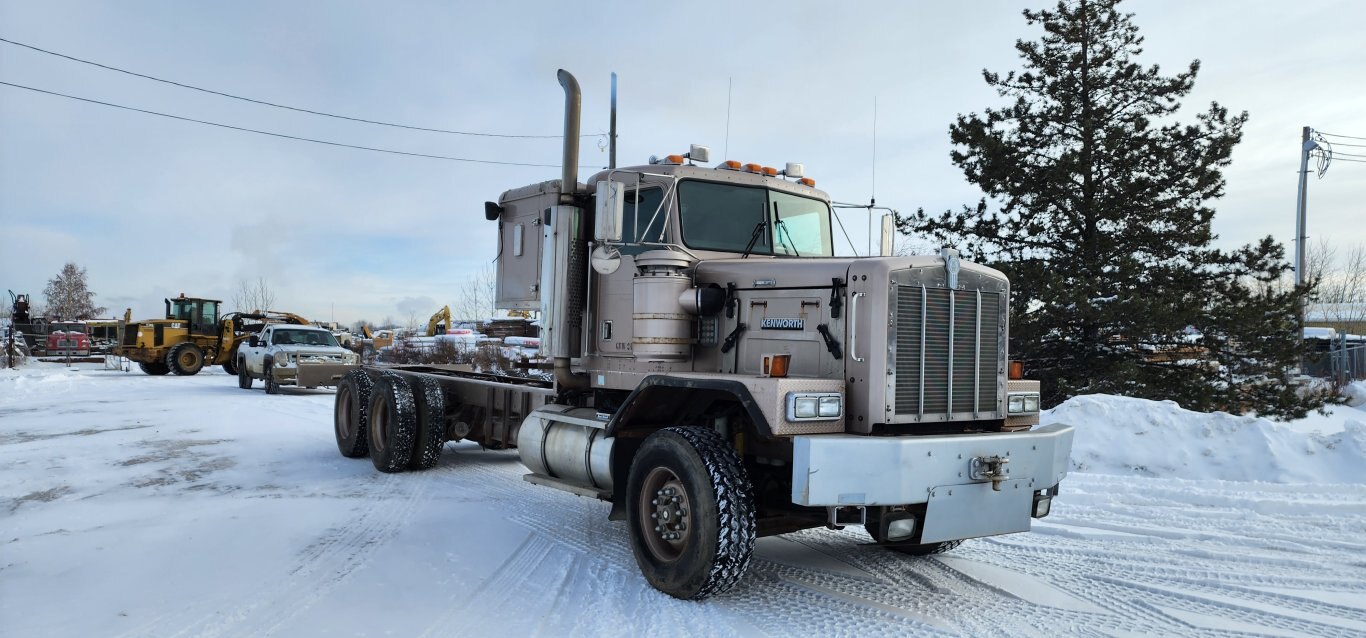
1016,370
807,181
776,365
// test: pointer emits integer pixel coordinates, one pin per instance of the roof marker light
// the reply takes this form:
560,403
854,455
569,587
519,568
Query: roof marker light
730,165
807,181
770,171
753,168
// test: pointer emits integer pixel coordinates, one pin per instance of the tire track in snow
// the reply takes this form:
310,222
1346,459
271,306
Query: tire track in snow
316,570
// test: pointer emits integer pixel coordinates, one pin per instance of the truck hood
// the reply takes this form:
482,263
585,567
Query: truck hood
769,272
788,272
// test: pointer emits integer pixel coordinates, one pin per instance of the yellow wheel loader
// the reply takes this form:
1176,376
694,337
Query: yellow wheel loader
192,336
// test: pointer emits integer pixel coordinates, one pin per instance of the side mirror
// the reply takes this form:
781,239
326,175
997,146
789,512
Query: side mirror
253,341
492,211
611,208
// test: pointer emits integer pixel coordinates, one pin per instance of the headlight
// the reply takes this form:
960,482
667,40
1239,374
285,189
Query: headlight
830,407
351,358
283,360
1022,403
814,406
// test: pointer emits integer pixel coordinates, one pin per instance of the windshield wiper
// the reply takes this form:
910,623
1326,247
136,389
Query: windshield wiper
754,236
782,229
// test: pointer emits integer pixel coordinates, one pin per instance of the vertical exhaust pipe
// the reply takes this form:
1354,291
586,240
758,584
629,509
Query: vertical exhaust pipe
569,180
612,128
564,257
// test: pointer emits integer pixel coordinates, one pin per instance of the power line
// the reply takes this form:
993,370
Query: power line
1346,144
282,106
1343,159
1337,154
290,137
1350,137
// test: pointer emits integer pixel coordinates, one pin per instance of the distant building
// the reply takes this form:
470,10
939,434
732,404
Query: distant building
1349,318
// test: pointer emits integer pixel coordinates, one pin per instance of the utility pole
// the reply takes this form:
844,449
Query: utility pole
1301,235
1305,146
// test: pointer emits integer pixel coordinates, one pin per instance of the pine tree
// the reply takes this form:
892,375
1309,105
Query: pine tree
1104,226
68,297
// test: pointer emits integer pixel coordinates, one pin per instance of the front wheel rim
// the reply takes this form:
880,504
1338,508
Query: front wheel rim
664,514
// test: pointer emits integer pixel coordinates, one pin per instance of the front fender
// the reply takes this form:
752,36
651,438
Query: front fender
663,400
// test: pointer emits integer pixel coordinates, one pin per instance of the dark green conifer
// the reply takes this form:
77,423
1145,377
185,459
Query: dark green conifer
1100,211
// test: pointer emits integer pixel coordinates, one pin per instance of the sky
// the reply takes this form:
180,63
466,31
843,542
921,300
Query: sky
153,207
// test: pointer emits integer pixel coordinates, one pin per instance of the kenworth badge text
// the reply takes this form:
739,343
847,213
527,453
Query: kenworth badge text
716,374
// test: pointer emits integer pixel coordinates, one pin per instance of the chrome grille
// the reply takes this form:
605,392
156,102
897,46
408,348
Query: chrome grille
951,339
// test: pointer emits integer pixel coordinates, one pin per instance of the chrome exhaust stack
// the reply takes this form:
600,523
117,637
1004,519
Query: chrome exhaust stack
564,265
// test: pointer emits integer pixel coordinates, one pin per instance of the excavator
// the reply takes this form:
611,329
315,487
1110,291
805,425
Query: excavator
440,322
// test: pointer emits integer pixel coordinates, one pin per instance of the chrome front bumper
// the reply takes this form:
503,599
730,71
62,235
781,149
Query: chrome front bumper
968,492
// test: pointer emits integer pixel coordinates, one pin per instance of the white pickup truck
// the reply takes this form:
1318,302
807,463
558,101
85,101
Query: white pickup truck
303,356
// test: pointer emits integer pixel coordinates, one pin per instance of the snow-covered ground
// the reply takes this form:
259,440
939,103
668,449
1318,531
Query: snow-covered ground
184,506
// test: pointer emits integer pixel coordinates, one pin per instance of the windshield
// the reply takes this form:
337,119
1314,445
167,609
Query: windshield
185,310
303,338
731,218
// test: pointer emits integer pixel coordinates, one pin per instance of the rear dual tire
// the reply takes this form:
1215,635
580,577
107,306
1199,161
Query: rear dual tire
392,430
351,414
430,437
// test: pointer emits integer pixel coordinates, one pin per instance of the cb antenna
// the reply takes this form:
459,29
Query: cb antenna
612,127
729,82
872,197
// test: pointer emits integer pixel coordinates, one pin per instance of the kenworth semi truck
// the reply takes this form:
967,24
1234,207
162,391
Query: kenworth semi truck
715,373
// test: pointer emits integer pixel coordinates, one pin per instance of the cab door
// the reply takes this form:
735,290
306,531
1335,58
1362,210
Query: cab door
203,318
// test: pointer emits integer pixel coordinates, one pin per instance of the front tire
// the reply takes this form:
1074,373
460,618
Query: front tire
154,369
185,359
268,370
393,423
243,377
351,414
690,508
230,365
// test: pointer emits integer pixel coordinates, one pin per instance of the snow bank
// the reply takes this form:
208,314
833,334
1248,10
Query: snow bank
1356,394
1120,435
